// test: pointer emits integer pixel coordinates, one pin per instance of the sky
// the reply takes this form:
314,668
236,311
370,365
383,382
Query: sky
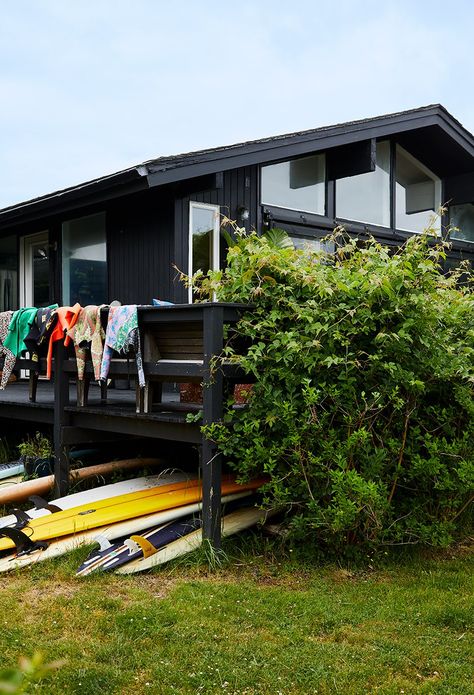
90,87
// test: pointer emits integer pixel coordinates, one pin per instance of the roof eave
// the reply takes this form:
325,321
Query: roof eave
92,192
302,144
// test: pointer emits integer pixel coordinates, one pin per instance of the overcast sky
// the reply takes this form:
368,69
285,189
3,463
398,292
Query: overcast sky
89,87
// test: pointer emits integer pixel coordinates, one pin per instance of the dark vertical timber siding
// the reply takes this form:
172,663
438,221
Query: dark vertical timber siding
239,189
140,249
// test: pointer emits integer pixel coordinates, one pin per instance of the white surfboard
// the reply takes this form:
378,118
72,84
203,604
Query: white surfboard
103,492
9,469
109,533
231,523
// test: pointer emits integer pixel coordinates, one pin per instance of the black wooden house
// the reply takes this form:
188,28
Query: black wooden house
120,236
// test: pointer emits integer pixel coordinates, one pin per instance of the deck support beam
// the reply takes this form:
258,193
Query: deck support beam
61,401
211,460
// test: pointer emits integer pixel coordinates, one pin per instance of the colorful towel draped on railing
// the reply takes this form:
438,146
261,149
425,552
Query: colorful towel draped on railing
67,317
88,334
122,336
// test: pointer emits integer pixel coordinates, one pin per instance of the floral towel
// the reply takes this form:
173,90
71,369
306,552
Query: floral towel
123,336
87,333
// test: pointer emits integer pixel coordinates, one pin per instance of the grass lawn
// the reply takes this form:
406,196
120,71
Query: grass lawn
261,625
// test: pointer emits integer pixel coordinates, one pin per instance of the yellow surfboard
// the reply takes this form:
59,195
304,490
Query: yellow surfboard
104,512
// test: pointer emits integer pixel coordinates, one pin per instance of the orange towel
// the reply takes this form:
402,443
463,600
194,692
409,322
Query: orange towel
67,317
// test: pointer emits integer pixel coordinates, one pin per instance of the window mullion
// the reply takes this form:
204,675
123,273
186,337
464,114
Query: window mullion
393,186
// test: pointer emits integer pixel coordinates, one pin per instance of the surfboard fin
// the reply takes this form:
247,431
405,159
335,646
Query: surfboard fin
23,543
132,546
22,518
41,503
103,541
145,546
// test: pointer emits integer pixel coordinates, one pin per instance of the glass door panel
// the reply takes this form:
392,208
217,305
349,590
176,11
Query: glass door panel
36,271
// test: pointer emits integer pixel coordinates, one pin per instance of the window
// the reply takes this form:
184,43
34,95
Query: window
84,260
312,245
299,184
8,273
366,197
418,194
203,239
462,217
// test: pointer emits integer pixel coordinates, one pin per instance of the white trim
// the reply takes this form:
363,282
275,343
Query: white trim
26,272
26,265
215,239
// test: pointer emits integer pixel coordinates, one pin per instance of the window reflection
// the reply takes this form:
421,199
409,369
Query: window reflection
418,194
462,217
366,197
299,184
312,245
84,260
204,241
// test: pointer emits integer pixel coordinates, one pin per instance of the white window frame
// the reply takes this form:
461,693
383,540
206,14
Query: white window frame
26,264
436,180
193,205
26,274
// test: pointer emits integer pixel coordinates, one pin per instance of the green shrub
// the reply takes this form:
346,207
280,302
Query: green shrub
362,414
38,446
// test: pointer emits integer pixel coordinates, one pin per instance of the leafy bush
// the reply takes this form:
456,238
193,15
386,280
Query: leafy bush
38,446
362,414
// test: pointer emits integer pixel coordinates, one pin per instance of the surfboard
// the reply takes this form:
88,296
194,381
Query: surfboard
13,480
123,529
41,486
100,493
231,523
105,512
9,469
109,556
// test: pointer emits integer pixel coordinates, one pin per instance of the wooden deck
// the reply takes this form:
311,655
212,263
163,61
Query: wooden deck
180,344
117,415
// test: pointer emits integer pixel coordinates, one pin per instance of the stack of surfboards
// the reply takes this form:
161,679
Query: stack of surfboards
151,519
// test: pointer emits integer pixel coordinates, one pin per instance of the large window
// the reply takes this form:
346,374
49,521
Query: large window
418,194
366,197
296,185
204,228
8,273
84,260
462,217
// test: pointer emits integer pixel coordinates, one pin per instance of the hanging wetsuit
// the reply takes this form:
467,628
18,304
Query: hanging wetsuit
40,331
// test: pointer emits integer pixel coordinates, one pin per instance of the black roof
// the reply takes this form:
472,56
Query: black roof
169,169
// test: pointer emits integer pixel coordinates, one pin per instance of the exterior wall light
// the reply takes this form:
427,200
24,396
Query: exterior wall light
243,213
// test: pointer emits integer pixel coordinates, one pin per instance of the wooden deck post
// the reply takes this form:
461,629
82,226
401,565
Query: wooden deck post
61,400
213,334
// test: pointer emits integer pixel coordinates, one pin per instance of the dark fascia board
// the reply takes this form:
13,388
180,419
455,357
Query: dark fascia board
300,144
